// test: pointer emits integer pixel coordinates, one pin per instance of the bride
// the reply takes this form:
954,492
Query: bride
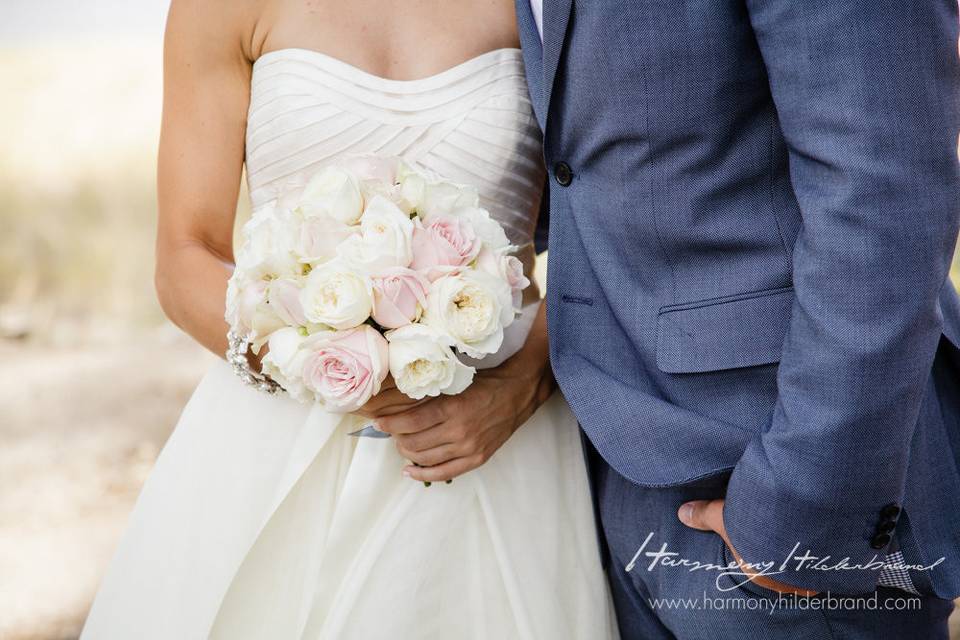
263,517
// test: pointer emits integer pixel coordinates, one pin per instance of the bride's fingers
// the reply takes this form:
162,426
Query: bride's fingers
446,471
436,436
388,402
417,419
431,457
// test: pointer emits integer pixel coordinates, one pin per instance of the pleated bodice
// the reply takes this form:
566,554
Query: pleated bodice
472,123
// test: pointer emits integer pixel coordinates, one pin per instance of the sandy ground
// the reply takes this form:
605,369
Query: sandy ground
80,428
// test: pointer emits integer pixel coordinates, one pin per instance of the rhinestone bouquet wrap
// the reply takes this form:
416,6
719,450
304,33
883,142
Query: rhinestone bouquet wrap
237,349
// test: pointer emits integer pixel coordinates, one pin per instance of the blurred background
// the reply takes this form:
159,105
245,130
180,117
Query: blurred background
92,377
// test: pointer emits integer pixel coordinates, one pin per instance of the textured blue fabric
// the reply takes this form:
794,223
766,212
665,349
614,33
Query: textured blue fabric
748,270
676,601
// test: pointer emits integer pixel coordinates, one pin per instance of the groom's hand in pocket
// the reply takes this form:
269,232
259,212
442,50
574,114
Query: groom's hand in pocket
707,515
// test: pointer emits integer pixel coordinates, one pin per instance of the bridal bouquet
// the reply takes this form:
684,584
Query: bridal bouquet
373,268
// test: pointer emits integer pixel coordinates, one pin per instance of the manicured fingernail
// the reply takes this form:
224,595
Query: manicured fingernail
686,512
376,425
406,473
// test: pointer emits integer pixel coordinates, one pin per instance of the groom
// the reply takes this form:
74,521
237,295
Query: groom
753,208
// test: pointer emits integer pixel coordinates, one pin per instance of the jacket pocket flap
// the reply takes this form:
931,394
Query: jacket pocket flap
725,333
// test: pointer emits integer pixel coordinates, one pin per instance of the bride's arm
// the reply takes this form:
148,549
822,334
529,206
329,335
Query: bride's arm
206,95
451,435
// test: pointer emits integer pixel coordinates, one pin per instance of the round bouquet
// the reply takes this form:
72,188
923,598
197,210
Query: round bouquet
373,268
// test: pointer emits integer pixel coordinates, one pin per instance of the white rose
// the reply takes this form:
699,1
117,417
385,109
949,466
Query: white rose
317,238
337,296
445,197
265,256
231,312
334,193
423,364
490,231
373,188
248,312
284,363
265,324
385,240
243,298
472,309
268,246
412,188
508,268
283,296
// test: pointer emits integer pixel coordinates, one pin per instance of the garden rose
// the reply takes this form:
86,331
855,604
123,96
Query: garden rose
399,297
333,193
411,189
345,368
337,296
443,244
284,362
507,267
385,239
439,198
283,295
319,236
490,231
423,364
472,309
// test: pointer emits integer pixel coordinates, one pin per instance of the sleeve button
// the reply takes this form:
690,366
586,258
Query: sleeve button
890,512
886,526
880,541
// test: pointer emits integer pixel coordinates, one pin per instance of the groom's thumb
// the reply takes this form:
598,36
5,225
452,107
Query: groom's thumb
699,514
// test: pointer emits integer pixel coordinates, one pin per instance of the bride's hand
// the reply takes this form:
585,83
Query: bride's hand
388,401
450,435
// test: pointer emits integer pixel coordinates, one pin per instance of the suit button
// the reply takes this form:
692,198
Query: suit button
886,526
563,174
880,541
890,512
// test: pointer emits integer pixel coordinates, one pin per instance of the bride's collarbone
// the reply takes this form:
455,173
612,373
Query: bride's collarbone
396,42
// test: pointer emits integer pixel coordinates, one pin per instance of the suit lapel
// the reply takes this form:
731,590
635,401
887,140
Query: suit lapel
556,16
532,57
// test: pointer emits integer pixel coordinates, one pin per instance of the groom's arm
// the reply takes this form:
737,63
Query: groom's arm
867,96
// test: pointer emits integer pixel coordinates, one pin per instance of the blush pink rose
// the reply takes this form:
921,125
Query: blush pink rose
399,296
284,299
444,244
345,368
513,269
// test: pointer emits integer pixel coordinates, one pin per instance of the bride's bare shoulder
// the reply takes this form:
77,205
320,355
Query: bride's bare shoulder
221,28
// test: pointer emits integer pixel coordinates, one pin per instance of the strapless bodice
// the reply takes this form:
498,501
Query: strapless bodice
472,123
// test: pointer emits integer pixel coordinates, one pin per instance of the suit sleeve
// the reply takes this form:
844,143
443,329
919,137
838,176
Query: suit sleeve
867,93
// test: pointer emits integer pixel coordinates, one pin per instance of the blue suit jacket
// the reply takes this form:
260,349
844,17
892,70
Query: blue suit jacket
748,267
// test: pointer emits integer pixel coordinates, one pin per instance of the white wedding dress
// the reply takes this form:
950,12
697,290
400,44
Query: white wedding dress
264,519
